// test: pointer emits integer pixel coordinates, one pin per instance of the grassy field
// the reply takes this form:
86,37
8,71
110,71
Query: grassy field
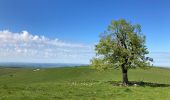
82,83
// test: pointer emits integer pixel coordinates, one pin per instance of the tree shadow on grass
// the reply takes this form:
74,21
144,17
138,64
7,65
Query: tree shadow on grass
139,83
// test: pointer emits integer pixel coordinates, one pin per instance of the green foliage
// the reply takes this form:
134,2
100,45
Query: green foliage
100,64
122,44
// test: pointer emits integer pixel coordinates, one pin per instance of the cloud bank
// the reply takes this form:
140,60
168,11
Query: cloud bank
161,59
25,47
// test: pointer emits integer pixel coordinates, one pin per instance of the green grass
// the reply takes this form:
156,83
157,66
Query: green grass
82,83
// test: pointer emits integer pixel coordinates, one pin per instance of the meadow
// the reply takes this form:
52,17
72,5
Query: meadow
83,83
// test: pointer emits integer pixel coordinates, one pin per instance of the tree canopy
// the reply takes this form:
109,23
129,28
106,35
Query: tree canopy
121,45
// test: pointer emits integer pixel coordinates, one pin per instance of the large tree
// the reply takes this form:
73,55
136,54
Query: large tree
122,45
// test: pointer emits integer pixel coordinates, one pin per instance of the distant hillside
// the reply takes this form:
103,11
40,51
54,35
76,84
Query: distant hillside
39,65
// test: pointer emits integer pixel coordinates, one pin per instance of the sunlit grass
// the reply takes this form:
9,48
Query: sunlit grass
82,83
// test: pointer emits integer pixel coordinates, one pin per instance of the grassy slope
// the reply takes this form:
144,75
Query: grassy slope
81,84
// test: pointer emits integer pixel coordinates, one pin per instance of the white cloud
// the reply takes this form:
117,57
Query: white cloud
25,47
161,58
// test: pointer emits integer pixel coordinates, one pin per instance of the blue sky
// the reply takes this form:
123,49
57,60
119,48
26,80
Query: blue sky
79,22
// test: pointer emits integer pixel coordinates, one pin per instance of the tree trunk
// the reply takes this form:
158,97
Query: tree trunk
124,76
